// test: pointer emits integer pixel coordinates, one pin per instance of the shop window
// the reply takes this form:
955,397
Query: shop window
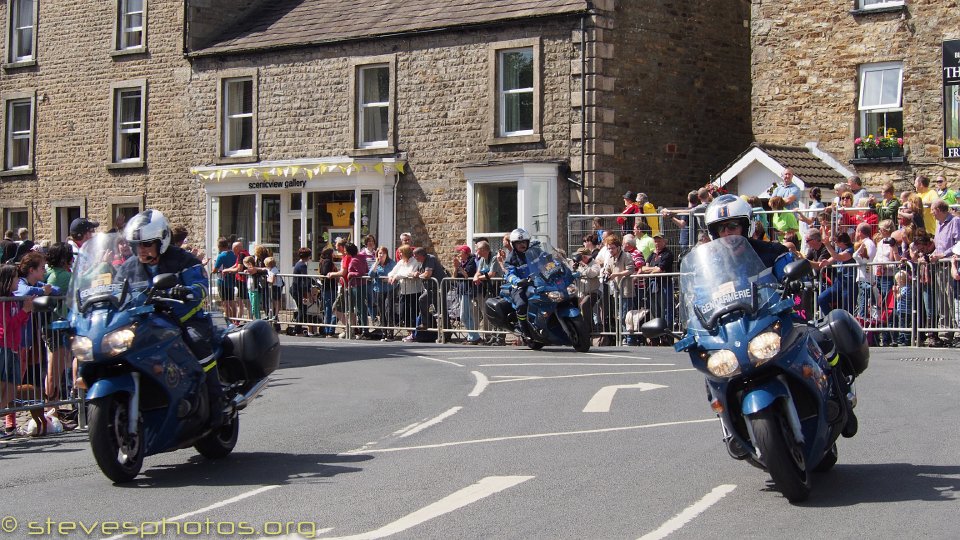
129,126
234,215
880,100
131,24
19,133
21,31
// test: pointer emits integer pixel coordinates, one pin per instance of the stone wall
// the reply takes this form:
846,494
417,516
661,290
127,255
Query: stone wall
806,58
72,81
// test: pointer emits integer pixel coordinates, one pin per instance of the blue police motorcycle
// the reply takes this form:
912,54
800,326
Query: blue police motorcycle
782,388
145,389
553,312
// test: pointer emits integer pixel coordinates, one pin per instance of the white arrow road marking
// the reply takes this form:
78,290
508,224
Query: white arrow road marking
515,378
439,360
561,364
482,383
471,494
601,401
416,428
676,522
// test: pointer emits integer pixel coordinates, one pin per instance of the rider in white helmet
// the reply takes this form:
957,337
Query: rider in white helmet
730,215
148,234
518,271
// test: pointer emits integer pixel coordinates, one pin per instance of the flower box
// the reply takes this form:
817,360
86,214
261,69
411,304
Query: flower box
873,153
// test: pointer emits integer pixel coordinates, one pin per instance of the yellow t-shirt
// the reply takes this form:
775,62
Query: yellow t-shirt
929,222
653,220
340,212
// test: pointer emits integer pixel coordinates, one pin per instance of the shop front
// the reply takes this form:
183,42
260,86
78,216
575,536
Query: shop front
285,205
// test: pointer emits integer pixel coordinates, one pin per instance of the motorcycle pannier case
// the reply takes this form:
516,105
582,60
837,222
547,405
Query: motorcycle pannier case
848,338
256,347
499,311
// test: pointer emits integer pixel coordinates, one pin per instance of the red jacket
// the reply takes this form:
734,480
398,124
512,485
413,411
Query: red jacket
13,317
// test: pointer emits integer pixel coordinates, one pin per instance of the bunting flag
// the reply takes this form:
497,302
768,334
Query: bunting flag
293,170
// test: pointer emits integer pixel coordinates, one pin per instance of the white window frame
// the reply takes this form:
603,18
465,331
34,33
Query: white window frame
123,31
9,136
896,106
528,177
226,117
13,31
364,106
502,93
862,4
119,128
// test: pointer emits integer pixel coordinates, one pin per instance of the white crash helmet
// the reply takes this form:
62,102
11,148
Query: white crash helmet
727,208
519,235
146,227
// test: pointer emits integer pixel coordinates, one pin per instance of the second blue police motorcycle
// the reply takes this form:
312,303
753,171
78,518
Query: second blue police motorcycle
553,314
145,389
782,388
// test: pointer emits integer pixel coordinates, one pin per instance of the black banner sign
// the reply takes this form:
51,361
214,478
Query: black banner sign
951,99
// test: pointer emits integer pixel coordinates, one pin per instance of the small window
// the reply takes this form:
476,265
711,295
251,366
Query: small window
16,218
515,90
128,125
22,30
131,23
238,117
880,101
18,147
374,106
879,4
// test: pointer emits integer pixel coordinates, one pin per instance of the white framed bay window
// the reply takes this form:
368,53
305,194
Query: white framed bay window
881,98
503,197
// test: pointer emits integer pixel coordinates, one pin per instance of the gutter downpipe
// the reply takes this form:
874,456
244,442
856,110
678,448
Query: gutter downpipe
583,107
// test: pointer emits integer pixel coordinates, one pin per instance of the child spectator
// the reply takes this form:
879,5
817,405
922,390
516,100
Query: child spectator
274,288
903,308
250,264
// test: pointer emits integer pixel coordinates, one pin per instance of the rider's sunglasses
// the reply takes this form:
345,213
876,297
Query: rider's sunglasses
732,226
146,243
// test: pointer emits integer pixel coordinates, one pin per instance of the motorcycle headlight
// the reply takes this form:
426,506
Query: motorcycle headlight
82,348
118,341
764,347
572,289
556,296
723,364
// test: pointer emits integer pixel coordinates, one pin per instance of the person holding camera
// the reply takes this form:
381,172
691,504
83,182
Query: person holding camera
464,270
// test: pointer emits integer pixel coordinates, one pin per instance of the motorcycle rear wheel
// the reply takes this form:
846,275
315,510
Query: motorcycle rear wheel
118,453
782,456
220,443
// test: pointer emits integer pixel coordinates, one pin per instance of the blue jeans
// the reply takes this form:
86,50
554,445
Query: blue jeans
466,316
328,317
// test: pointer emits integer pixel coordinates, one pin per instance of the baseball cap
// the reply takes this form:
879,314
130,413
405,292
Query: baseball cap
463,249
82,225
630,196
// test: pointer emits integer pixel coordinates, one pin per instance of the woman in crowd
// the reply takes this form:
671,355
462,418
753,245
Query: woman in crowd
383,290
357,270
405,273
328,290
226,285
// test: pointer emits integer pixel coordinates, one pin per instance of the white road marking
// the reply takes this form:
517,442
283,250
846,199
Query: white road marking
482,382
471,494
214,506
561,364
603,399
678,521
532,436
612,355
439,360
514,378
417,428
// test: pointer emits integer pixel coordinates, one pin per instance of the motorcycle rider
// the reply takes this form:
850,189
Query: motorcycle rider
148,234
730,215
518,273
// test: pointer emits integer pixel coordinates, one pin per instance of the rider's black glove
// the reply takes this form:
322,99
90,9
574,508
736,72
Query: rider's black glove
180,293
523,283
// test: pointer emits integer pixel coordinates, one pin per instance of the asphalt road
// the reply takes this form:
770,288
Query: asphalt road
372,440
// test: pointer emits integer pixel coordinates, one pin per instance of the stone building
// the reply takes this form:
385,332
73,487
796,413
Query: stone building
834,71
291,122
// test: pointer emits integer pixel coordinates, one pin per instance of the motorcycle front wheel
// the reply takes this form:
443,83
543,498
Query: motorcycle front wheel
220,443
782,456
118,452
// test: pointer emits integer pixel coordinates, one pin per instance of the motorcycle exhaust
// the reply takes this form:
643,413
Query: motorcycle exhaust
241,401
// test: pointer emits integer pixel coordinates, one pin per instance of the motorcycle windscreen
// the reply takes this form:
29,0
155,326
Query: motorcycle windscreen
725,274
95,270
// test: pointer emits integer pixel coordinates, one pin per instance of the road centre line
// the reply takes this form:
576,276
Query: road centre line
470,494
515,378
439,360
417,428
561,364
531,436
482,382
678,521
214,506
612,355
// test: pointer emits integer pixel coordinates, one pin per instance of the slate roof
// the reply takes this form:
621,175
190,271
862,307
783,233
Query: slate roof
291,23
804,163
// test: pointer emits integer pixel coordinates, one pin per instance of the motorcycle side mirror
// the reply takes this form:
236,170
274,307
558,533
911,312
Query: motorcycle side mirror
656,328
797,270
164,281
44,304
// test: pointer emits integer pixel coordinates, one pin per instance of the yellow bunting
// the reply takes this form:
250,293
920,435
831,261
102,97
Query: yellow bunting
378,167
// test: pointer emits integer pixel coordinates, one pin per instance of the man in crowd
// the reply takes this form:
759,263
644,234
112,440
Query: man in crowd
789,191
81,230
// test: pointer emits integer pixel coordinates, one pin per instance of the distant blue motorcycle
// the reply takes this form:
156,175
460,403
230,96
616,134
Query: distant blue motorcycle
145,389
553,312
783,389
